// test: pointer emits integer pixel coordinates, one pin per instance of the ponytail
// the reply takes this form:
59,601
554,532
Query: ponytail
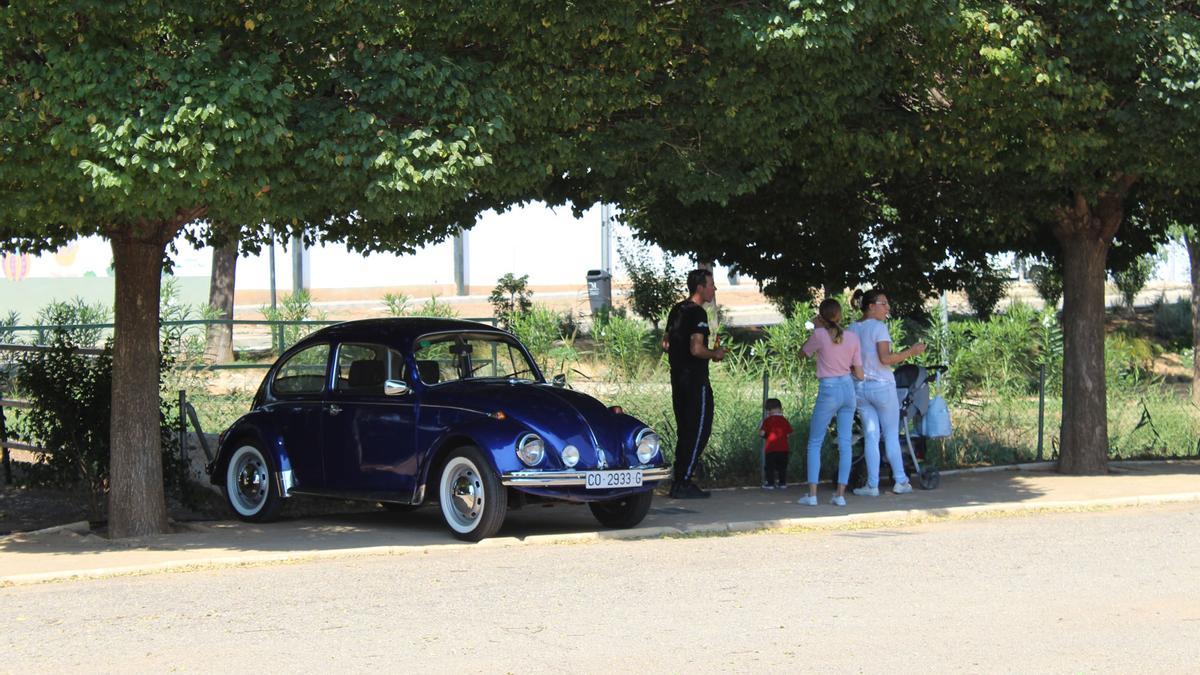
830,312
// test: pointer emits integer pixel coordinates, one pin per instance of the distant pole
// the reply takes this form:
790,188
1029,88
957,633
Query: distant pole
606,238
1041,408
461,280
277,334
944,329
297,264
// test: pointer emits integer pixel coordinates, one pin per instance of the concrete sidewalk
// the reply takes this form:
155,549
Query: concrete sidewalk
67,553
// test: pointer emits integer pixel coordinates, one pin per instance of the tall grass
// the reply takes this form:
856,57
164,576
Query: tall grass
992,388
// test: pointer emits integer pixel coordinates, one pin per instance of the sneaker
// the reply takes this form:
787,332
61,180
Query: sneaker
838,500
782,486
808,500
867,491
902,488
768,486
691,491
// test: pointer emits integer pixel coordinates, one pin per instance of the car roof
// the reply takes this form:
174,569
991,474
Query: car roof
397,330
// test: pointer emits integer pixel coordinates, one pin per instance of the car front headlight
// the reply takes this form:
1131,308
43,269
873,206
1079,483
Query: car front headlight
570,456
648,445
531,449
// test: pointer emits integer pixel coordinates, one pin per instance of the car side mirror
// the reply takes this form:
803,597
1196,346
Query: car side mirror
559,380
396,388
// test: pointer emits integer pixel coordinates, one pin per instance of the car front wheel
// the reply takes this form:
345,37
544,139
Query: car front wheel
248,485
623,513
472,500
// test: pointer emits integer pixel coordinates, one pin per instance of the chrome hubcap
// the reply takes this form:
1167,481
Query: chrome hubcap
251,481
464,494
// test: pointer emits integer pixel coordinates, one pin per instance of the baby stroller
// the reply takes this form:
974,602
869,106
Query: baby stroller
912,389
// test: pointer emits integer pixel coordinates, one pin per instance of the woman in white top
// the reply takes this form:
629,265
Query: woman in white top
877,403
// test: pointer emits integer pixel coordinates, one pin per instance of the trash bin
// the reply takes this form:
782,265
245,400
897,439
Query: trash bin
599,284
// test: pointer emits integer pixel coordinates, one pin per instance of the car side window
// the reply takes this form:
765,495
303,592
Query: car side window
303,373
361,369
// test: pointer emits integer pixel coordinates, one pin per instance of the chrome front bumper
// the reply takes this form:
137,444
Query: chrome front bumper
573,478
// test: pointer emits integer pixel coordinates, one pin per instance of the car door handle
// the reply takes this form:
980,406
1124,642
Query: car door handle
335,409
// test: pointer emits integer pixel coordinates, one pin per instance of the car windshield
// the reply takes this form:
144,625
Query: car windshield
447,357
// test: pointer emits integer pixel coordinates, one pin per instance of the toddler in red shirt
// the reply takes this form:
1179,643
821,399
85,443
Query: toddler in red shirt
774,430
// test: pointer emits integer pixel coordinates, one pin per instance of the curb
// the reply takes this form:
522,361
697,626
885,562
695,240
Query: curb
879,518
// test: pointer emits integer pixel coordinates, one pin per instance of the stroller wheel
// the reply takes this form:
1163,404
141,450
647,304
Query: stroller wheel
930,478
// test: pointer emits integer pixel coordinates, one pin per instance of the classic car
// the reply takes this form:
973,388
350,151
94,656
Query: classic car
409,411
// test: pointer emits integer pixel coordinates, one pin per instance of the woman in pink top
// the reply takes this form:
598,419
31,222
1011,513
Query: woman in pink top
838,358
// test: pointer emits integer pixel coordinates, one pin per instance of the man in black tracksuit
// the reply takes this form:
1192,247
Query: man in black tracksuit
686,344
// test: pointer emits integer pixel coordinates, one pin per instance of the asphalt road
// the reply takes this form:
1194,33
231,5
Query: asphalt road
1108,591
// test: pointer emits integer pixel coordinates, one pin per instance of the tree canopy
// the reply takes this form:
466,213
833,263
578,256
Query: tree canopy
380,124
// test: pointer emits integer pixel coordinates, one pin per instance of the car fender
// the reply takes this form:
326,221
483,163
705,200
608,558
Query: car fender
259,429
495,438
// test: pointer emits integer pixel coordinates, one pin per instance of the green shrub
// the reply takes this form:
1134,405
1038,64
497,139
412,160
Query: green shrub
1131,280
7,334
511,296
999,355
985,288
73,312
540,329
396,304
1047,280
1173,322
622,343
295,307
71,399
779,351
653,290
433,308
1127,359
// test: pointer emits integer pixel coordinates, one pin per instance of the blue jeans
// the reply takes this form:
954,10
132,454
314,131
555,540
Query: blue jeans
835,396
879,409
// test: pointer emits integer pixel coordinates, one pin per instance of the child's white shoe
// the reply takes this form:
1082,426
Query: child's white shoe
866,491
902,488
838,500
808,500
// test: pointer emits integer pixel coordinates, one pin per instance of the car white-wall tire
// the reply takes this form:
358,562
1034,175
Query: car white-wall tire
472,500
249,486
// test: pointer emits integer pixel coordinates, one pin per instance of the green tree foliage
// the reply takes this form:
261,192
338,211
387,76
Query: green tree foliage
1047,280
873,143
1131,280
653,288
985,289
141,121
509,297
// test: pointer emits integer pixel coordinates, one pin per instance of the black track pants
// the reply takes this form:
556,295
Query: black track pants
693,402
775,468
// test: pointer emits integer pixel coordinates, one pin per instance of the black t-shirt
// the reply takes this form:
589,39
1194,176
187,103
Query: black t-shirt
686,319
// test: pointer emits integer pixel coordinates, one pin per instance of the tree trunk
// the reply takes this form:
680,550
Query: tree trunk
1085,231
219,341
1193,246
136,503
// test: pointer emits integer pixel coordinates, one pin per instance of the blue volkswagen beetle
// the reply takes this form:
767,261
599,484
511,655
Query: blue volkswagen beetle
414,410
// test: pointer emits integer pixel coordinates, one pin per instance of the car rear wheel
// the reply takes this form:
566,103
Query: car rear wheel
623,513
472,500
249,488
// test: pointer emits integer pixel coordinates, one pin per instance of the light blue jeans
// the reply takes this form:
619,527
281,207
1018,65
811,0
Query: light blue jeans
835,396
879,409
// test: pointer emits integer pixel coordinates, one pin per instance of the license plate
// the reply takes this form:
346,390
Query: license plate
607,480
